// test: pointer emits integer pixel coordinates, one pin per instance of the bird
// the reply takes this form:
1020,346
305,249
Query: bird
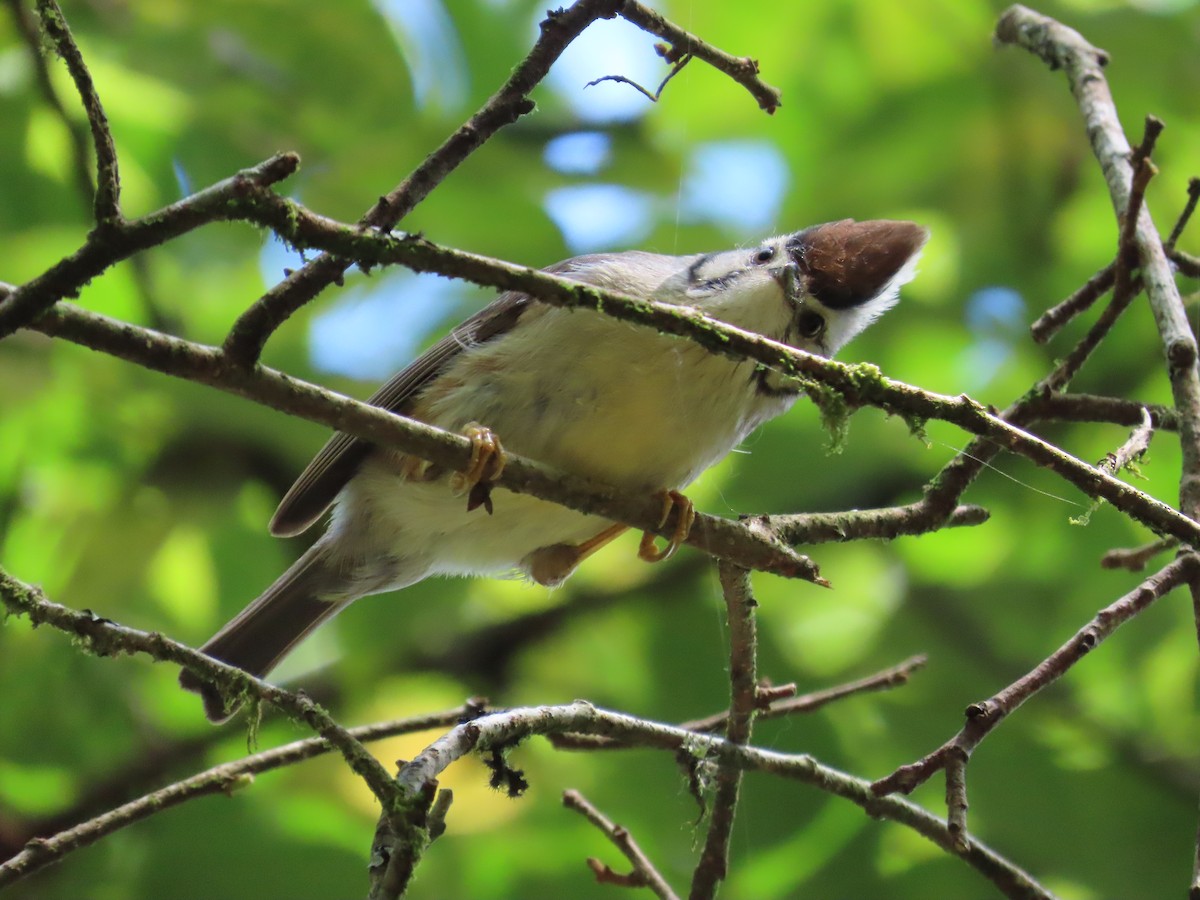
617,402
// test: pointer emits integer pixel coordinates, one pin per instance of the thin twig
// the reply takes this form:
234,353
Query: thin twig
895,676
644,873
657,95
1135,558
786,703
886,523
713,865
1125,288
105,637
984,716
503,729
107,207
743,70
1052,320
77,134
223,779
1185,216
1095,408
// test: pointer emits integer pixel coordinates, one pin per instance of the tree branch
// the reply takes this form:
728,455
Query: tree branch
77,133
713,866
984,716
104,638
644,874
41,852
207,365
503,729
107,206
743,70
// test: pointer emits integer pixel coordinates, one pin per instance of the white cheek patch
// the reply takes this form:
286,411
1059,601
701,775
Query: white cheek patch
846,324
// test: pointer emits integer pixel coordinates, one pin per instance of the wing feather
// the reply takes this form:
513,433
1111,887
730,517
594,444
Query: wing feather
341,456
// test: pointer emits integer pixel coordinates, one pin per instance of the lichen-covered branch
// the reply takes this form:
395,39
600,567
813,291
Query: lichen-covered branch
505,729
223,779
105,638
208,365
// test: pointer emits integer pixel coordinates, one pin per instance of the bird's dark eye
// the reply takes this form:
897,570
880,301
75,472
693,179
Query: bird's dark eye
810,324
765,255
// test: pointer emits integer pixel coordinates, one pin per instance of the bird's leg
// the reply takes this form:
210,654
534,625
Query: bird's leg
551,565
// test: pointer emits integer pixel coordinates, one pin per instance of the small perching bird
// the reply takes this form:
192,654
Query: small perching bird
579,390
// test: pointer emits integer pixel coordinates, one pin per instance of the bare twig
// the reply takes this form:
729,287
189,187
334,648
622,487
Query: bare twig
743,70
222,779
1125,288
984,716
505,728
1052,320
76,132
1095,408
1135,558
644,873
894,676
104,637
653,97
1186,263
772,703
1185,216
713,865
107,206
887,523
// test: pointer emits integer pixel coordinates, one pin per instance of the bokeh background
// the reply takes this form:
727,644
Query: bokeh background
146,499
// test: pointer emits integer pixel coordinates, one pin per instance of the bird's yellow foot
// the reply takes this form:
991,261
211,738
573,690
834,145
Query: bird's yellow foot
487,462
550,566
685,516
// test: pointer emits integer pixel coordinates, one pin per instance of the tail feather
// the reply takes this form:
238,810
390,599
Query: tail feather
265,631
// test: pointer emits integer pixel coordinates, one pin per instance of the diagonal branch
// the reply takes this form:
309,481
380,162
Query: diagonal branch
503,729
983,717
743,70
713,866
748,545
77,133
644,874
107,206
223,779
104,637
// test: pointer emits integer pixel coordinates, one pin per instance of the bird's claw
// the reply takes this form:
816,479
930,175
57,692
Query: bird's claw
685,516
487,462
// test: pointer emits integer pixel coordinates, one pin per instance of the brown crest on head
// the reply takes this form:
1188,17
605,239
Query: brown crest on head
847,263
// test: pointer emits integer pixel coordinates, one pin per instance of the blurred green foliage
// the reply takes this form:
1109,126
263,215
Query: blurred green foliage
145,499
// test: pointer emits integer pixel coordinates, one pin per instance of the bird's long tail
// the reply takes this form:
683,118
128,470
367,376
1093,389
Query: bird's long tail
266,631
